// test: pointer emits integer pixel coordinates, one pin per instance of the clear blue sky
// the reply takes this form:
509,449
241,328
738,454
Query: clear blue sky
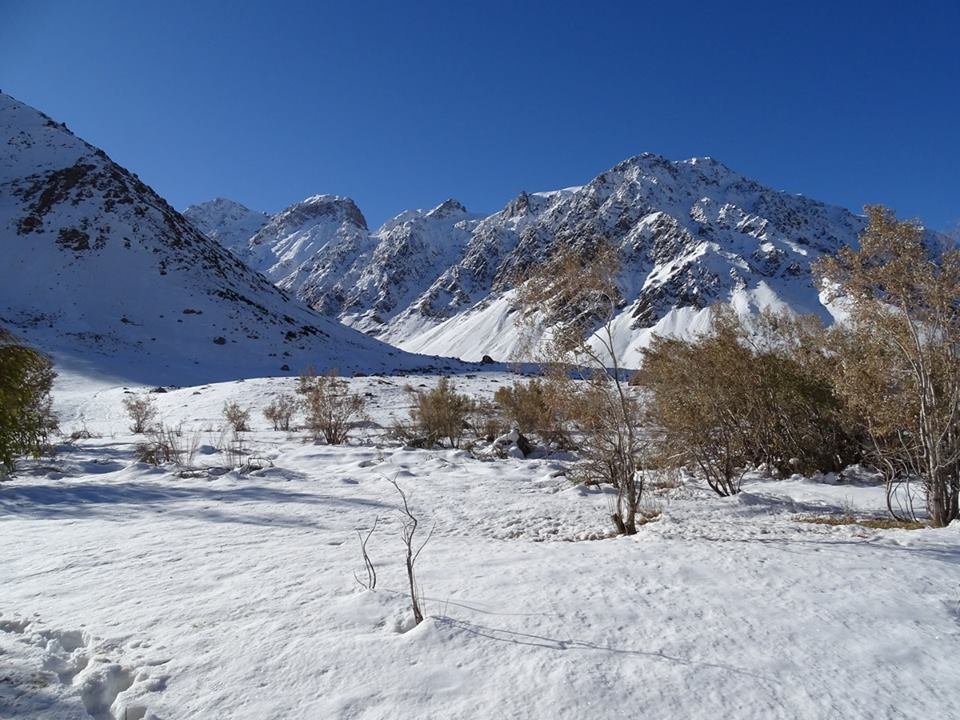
401,105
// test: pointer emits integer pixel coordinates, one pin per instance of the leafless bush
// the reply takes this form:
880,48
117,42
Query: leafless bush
576,290
407,532
486,421
280,411
82,433
534,407
371,581
613,450
667,478
237,418
234,451
142,410
742,397
441,413
332,410
168,445
254,463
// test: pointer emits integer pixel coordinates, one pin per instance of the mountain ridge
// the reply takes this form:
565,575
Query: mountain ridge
689,233
103,273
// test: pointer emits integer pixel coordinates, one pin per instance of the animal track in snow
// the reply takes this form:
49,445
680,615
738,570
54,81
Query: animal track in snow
76,669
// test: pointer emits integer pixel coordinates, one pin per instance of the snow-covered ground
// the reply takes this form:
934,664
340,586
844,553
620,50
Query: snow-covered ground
132,592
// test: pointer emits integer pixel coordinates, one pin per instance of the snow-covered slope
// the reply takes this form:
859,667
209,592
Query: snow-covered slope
102,272
690,233
138,592
312,244
321,250
412,250
226,221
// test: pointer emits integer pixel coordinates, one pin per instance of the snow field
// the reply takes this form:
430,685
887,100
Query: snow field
130,591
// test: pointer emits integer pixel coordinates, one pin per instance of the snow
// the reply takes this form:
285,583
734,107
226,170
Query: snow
103,274
227,222
138,592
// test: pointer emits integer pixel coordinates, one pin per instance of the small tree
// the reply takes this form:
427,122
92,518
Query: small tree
743,396
142,410
576,292
695,395
237,418
902,368
26,414
332,410
280,411
441,413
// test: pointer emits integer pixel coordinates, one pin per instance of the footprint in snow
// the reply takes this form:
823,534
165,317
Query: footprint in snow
75,665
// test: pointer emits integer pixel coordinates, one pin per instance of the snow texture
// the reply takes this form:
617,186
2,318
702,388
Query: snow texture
139,592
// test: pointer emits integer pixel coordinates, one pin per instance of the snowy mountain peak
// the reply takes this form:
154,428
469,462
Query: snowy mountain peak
226,221
448,208
100,271
328,210
690,232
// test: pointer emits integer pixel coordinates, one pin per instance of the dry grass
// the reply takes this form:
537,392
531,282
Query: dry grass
873,523
648,514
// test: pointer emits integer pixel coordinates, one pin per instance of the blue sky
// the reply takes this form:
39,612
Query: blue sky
401,105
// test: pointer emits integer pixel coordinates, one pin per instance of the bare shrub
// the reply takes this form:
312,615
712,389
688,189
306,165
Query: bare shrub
168,445
371,582
82,433
872,523
576,292
487,421
234,450
900,364
142,410
280,411
534,407
668,478
441,413
237,418
408,530
332,410
613,451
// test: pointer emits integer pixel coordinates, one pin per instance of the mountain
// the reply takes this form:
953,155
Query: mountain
311,244
100,271
690,233
226,221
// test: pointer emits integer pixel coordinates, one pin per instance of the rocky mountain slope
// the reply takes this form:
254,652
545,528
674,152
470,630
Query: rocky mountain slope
226,221
100,271
690,233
